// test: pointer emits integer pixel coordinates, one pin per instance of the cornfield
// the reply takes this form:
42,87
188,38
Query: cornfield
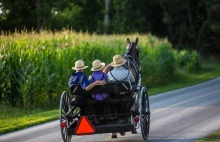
35,68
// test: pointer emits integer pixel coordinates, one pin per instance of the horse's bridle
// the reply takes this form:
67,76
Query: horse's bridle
128,50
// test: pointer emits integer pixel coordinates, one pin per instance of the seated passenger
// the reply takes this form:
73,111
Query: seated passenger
97,74
119,73
78,77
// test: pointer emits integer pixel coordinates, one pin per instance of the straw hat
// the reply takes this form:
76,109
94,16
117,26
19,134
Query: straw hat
97,65
118,61
79,65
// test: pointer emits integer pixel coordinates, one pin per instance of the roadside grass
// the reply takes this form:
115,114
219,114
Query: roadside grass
215,137
12,119
210,70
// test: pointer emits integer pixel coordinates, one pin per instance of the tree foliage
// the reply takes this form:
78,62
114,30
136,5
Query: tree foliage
192,24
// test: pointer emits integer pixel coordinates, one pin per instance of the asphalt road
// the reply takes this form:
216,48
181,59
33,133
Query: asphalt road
182,115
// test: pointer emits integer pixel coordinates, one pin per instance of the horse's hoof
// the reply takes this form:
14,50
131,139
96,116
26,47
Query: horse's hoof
122,133
113,135
134,131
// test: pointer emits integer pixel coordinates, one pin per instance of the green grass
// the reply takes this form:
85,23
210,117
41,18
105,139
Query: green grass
215,137
12,119
210,70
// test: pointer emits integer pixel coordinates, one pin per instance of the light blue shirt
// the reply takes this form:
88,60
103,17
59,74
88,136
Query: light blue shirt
121,74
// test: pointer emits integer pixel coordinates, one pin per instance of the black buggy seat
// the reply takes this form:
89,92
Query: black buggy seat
119,91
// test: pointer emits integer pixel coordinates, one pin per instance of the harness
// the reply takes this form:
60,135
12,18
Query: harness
129,48
126,54
127,51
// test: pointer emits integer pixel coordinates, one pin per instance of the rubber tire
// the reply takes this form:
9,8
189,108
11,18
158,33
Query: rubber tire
145,114
64,107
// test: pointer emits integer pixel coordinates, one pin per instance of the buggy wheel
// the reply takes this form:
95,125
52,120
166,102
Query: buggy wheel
64,108
144,113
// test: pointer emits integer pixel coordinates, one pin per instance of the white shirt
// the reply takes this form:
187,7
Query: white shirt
121,74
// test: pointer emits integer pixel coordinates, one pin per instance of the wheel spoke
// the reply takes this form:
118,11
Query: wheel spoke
65,106
63,113
63,119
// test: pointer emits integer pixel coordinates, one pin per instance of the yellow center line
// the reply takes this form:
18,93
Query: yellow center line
165,108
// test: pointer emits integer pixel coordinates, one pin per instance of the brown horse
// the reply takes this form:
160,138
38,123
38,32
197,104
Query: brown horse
132,57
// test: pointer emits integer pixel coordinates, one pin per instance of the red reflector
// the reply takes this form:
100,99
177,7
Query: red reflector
63,124
136,119
84,126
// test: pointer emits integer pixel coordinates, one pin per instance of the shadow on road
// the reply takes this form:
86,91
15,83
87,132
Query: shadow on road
173,140
152,140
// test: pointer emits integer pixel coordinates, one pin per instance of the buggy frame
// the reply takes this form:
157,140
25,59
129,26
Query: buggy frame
121,93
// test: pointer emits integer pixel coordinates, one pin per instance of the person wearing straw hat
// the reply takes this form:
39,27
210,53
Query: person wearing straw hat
78,77
97,67
119,73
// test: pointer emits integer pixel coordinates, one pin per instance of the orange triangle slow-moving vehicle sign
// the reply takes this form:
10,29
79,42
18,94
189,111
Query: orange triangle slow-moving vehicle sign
84,126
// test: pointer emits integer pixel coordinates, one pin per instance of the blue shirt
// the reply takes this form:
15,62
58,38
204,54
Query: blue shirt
79,77
98,75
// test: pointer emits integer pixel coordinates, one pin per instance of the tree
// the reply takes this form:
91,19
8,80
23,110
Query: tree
191,23
18,14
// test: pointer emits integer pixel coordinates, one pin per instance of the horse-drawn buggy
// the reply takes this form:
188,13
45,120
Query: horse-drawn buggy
133,100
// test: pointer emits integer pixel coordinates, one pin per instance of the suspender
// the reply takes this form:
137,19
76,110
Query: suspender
120,80
79,78
92,78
